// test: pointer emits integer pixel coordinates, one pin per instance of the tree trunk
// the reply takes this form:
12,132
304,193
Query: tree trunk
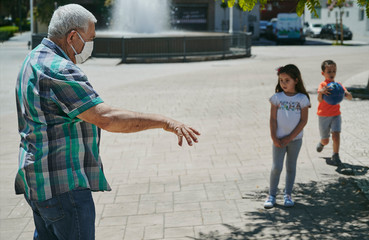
341,26
336,30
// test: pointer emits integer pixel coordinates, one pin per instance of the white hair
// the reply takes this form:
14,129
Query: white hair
68,17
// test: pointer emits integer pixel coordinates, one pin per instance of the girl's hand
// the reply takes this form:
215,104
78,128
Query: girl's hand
284,141
277,143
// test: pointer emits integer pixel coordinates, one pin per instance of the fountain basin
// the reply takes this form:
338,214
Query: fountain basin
168,46
172,46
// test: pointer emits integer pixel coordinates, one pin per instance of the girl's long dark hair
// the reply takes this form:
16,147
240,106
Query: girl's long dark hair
292,71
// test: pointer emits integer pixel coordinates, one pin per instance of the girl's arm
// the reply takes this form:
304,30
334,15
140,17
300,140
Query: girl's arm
273,125
298,128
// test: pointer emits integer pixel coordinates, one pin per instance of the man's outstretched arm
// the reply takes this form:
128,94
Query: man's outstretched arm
125,121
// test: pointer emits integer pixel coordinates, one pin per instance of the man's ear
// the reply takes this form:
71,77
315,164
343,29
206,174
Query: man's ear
70,37
322,73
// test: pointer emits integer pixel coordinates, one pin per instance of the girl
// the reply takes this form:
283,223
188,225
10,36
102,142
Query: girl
288,116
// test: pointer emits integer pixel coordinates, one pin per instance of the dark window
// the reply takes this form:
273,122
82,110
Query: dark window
361,15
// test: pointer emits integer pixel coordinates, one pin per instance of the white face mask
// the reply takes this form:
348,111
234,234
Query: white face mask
86,51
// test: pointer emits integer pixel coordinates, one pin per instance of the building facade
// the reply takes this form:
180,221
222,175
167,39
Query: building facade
353,16
210,15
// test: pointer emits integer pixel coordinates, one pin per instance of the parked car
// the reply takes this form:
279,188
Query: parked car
329,31
263,27
313,29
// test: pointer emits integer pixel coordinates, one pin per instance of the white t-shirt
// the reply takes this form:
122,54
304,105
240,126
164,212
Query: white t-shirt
289,112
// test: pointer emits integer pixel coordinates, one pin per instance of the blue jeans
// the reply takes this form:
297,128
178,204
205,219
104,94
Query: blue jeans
68,216
292,149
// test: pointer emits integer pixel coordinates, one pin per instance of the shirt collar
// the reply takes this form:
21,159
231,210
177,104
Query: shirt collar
55,48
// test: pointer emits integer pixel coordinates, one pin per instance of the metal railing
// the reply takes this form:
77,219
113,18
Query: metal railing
167,49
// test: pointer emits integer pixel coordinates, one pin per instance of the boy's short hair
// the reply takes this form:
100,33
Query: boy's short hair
327,63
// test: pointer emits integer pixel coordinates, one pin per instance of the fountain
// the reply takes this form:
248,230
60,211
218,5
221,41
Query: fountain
140,32
141,16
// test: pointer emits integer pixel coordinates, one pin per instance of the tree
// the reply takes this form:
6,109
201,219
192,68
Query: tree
248,5
44,9
340,4
18,10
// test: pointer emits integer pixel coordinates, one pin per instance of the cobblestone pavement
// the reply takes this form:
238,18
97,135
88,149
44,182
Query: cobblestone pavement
216,189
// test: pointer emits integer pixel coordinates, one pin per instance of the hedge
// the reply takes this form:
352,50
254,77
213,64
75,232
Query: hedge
7,32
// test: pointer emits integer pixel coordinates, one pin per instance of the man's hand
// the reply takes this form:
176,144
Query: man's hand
181,130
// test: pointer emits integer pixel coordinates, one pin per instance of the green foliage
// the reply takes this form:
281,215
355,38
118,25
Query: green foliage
7,32
311,5
364,3
248,5
44,9
12,29
245,5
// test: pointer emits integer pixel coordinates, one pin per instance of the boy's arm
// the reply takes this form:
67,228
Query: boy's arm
348,95
323,89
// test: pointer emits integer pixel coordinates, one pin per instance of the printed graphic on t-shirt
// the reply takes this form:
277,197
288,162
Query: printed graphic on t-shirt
289,106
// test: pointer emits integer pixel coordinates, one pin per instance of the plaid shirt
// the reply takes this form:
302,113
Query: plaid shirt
58,152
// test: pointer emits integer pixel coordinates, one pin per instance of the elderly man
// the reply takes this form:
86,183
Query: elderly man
60,116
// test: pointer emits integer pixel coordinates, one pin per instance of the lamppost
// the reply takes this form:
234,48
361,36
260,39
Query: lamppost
31,13
230,20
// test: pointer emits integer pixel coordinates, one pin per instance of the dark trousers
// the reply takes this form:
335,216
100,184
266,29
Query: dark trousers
68,216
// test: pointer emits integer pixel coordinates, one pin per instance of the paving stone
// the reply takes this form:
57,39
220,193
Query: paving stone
179,232
183,219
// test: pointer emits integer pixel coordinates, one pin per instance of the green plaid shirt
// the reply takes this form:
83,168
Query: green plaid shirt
58,152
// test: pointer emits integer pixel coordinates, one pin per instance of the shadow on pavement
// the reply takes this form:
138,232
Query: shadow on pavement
325,210
349,169
309,41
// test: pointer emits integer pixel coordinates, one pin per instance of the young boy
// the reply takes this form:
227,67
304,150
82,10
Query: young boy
329,115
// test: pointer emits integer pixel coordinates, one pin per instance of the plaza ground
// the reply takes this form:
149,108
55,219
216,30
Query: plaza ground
216,189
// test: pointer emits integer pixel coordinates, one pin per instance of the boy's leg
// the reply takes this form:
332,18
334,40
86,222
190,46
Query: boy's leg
293,149
324,130
336,142
336,130
278,157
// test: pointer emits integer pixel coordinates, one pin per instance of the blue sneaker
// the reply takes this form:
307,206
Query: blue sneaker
269,203
288,201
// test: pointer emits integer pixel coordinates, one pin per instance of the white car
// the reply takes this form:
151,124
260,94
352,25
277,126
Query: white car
313,30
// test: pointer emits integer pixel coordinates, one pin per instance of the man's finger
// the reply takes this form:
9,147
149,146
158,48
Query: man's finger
192,134
180,140
187,136
195,131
